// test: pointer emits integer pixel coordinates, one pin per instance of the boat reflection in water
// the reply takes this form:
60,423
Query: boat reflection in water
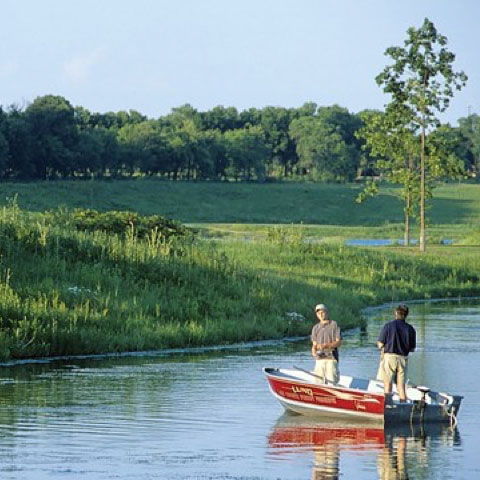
399,451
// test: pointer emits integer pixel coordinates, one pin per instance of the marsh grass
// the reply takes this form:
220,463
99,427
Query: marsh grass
64,291
472,238
68,292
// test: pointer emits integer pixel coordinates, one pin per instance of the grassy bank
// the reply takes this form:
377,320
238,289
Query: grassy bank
277,203
64,290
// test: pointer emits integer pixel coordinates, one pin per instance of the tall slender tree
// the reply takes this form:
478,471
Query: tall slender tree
422,80
391,141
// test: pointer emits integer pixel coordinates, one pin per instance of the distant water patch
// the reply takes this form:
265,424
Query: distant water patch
383,242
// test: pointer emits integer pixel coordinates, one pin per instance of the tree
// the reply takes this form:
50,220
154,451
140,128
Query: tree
275,122
20,149
422,80
456,148
391,141
367,166
54,133
249,118
4,148
143,146
215,144
220,118
342,122
469,127
83,118
246,152
321,150
308,109
97,151
179,116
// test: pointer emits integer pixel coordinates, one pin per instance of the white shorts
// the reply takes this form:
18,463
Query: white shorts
328,369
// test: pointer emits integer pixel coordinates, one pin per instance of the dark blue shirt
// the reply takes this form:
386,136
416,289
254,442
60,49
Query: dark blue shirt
398,337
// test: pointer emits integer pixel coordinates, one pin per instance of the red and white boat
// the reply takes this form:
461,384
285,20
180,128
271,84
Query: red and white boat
305,393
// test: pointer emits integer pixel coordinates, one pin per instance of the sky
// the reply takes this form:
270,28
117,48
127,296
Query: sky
154,55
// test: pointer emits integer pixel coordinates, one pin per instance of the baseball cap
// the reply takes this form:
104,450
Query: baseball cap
321,306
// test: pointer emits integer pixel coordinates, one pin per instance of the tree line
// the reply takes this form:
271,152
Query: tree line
51,139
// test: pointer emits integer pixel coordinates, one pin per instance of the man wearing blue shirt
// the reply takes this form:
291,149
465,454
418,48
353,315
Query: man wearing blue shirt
397,339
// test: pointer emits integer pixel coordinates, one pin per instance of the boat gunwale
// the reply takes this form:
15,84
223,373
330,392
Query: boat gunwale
323,385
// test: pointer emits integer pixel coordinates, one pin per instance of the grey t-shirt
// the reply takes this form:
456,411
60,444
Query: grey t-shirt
326,333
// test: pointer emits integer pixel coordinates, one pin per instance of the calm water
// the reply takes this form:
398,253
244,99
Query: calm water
383,242
211,416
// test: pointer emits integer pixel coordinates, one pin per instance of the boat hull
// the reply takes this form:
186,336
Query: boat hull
318,399
301,393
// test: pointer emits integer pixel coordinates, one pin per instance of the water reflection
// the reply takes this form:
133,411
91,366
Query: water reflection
401,451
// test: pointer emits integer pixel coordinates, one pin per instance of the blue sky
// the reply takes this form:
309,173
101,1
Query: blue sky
152,55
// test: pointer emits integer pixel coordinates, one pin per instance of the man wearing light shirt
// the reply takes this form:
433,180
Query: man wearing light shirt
326,338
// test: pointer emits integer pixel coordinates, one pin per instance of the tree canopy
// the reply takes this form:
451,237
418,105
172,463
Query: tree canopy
52,139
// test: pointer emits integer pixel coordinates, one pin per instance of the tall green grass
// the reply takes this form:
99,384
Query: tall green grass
65,291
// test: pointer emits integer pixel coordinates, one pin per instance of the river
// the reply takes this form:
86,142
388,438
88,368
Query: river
211,415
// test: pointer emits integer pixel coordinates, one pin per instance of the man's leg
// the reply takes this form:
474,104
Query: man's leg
387,386
388,372
401,392
320,370
401,374
331,371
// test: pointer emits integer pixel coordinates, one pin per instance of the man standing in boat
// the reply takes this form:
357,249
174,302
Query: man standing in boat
326,338
397,339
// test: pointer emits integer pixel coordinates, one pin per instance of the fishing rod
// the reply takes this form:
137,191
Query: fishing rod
323,379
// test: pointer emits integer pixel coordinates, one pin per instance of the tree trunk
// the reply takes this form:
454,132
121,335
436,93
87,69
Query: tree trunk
409,199
422,190
406,238
188,168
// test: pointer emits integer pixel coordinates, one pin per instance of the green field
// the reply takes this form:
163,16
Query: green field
64,291
275,203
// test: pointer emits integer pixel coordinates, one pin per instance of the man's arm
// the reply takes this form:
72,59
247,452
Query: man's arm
413,345
325,346
382,338
336,343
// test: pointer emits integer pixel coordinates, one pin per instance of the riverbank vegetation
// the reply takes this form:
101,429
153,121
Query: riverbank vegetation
66,289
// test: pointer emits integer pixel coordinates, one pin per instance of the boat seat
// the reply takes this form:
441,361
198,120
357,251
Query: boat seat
359,383
375,386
